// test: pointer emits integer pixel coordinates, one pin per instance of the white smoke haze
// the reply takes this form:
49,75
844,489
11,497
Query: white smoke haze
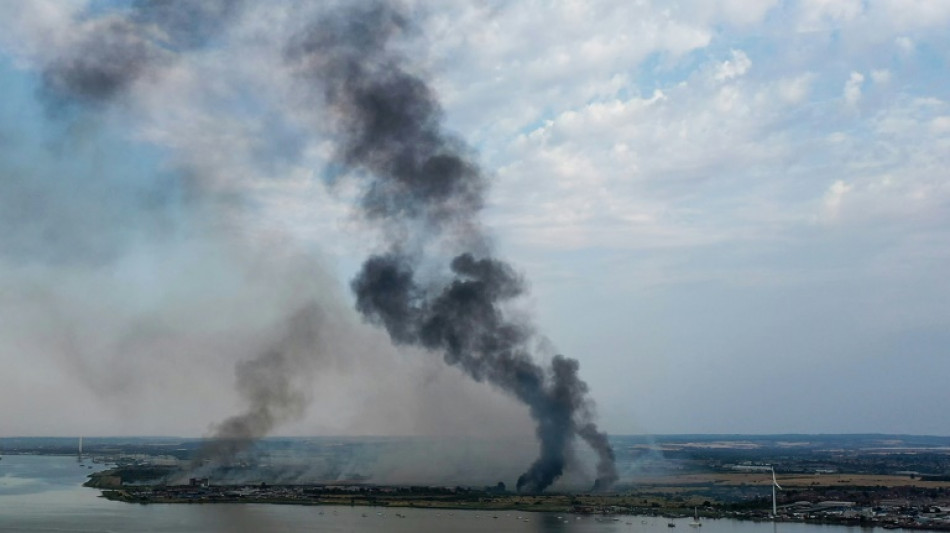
186,295
700,241
444,461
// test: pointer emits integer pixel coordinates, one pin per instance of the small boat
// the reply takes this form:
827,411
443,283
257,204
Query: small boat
671,524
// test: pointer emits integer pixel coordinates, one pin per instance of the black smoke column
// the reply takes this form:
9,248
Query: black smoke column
424,190
421,187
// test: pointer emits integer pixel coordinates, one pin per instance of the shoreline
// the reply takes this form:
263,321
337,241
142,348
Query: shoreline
432,498
667,514
863,500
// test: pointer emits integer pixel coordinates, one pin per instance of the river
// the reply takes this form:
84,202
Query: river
44,494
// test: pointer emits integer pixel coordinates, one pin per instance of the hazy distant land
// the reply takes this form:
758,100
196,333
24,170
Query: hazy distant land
894,479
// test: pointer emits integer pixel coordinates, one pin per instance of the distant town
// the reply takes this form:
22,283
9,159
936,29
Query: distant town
889,481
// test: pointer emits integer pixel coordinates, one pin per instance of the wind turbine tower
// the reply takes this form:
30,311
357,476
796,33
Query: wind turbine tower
775,485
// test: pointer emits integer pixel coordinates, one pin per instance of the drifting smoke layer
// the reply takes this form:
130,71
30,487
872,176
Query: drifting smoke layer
420,181
421,187
109,54
113,51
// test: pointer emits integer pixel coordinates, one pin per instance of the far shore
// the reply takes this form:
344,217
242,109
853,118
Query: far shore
669,497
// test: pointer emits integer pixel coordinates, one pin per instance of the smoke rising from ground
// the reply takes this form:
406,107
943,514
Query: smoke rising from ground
435,285
421,179
107,56
271,384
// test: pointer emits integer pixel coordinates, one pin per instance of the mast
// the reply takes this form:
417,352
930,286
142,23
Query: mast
774,507
775,485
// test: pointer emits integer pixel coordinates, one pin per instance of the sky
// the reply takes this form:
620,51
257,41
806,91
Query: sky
734,215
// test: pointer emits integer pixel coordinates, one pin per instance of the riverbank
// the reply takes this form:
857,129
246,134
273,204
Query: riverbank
555,503
493,501
43,493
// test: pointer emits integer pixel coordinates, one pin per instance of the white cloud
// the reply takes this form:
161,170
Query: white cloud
822,13
835,196
940,125
22,22
892,172
852,88
796,89
905,44
499,70
881,76
744,12
733,68
910,14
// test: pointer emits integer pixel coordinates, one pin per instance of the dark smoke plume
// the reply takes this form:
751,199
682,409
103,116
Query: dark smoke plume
420,179
389,121
421,186
104,62
112,52
272,387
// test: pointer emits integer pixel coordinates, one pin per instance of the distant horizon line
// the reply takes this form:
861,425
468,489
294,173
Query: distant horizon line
503,437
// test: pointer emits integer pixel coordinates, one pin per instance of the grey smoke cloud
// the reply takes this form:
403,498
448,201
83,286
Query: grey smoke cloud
388,121
103,64
186,24
419,176
420,185
272,386
113,51
109,55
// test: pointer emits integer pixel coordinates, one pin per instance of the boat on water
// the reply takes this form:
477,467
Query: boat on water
671,524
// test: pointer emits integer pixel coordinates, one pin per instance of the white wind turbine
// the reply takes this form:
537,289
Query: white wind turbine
775,485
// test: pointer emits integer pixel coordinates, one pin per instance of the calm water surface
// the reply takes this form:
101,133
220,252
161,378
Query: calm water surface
43,494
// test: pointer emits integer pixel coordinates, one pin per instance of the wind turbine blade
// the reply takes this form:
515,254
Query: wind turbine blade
774,482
